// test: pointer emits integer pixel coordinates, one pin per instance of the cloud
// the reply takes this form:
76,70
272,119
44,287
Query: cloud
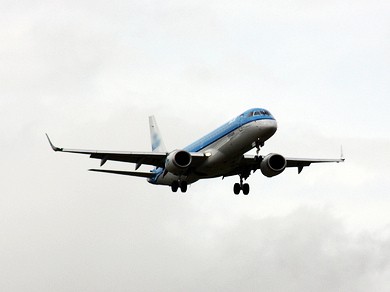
90,74
307,250
122,241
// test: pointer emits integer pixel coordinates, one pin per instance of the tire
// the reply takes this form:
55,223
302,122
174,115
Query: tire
245,189
175,186
183,186
236,188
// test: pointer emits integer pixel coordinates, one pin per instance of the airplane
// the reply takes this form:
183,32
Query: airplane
220,153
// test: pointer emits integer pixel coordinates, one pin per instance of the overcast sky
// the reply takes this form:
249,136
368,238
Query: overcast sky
91,72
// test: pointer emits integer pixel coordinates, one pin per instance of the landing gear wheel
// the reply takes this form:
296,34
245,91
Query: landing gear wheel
245,189
179,184
175,186
237,188
183,186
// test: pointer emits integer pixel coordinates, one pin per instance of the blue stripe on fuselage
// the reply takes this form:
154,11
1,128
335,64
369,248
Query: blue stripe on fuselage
227,128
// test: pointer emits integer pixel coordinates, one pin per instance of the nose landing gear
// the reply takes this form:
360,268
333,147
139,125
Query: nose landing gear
258,144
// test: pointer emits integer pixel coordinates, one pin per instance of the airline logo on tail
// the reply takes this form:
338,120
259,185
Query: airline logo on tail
155,136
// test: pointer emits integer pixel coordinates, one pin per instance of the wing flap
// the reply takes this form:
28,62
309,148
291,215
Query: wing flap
251,162
296,162
130,173
149,158
300,163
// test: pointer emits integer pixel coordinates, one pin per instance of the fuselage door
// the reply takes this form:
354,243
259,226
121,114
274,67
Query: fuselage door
241,121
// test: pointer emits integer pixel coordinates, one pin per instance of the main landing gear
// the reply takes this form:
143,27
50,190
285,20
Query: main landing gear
244,187
241,187
179,184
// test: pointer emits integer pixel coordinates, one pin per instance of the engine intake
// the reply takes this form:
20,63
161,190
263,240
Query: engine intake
178,162
273,164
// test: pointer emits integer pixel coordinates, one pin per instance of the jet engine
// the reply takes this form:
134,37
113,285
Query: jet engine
273,164
178,162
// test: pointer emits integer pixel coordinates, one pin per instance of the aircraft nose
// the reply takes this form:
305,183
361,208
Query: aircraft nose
271,125
268,127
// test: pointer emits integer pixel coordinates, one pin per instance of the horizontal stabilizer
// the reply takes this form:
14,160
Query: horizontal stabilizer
130,173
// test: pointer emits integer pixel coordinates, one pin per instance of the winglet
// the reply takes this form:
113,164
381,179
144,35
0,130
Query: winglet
342,158
51,144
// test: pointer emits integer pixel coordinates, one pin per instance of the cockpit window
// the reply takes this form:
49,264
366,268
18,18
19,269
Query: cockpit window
259,113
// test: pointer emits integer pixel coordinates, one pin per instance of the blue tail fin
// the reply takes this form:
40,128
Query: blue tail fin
155,136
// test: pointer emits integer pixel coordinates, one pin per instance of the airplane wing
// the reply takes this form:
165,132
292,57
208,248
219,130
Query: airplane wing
300,163
149,158
130,173
250,163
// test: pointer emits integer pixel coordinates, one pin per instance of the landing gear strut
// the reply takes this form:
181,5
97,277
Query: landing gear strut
179,184
258,144
241,187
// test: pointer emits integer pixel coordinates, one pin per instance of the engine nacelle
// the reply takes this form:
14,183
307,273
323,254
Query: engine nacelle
178,162
273,164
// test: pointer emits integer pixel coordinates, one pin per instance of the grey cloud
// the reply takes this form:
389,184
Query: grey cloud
90,74
122,249
308,250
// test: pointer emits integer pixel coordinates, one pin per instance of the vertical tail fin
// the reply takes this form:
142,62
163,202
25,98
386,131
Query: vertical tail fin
155,136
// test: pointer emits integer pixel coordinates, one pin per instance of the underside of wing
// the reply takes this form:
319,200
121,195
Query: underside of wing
157,159
250,163
300,163
130,173
149,158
